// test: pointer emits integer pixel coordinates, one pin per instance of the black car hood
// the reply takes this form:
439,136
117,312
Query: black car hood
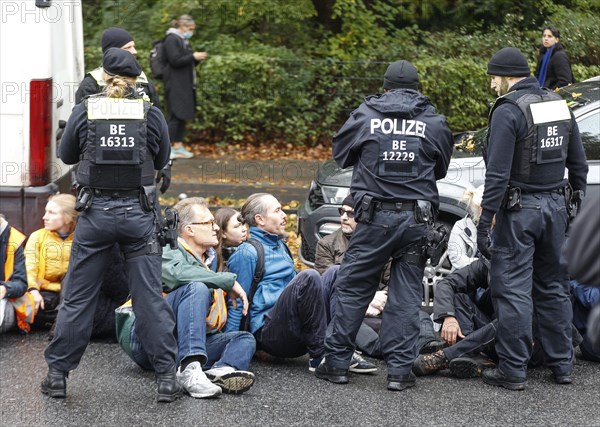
331,174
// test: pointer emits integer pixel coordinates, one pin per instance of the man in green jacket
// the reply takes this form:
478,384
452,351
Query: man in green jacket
196,295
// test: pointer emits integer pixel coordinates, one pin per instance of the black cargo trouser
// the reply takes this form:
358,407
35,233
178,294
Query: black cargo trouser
389,234
528,270
106,222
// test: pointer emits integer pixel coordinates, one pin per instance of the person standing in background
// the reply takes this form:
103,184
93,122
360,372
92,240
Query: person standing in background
553,68
180,81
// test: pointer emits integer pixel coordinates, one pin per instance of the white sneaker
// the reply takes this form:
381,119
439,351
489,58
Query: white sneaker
230,380
194,381
181,153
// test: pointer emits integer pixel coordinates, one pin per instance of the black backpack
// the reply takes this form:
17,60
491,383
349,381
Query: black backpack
258,275
158,59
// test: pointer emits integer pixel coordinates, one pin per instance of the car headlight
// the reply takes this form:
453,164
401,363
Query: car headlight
334,195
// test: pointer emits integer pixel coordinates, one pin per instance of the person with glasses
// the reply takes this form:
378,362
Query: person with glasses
210,361
329,254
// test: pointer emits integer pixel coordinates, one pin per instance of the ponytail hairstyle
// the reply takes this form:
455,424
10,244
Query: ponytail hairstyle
120,86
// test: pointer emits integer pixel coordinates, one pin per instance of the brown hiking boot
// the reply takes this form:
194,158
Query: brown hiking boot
427,364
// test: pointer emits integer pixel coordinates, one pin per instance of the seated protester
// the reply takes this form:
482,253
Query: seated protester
195,294
330,251
113,293
584,299
16,305
462,245
232,233
462,304
288,311
47,255
581,251
93,82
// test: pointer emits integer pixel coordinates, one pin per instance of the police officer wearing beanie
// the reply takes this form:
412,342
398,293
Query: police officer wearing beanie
93,83
399,146
119,140
532,137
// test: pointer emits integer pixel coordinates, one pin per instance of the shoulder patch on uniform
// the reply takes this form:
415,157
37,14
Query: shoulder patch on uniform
550,111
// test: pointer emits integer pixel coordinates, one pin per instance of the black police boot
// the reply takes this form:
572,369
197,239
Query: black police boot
563,378
498,378
169,388
470,367
433,347
55,383
329,373
401,382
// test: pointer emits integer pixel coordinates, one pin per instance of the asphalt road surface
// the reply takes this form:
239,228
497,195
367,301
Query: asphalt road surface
109,389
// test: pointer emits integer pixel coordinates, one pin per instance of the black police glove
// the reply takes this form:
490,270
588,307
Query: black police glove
483,235
165,175
576,200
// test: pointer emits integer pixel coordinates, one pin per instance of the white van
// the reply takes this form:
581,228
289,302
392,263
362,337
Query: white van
41,65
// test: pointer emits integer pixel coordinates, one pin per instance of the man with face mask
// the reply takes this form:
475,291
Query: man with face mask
532,137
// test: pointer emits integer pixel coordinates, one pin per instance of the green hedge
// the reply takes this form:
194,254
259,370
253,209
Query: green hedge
249,90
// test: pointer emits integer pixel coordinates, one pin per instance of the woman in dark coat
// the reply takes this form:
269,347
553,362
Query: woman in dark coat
553,68
180,81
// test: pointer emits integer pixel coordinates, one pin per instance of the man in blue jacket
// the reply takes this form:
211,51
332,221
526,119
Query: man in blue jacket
289,311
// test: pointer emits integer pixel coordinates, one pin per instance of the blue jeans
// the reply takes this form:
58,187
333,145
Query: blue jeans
190,304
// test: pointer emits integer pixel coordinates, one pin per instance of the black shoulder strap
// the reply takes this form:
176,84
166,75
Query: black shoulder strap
259,272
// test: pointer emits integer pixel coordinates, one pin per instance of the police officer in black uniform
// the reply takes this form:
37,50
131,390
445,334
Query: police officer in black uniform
93,83
532,137
399,146
119,140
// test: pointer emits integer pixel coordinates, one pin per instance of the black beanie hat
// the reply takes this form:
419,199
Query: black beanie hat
401,74
115,37
508,62
348,201
119,62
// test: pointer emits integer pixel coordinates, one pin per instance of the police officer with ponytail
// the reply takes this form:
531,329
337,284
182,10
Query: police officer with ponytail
532,137
119,140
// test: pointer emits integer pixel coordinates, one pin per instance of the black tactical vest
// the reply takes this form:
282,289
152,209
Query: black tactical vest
540,157
115,155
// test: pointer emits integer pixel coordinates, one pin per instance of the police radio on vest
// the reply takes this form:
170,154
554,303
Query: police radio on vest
399,127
